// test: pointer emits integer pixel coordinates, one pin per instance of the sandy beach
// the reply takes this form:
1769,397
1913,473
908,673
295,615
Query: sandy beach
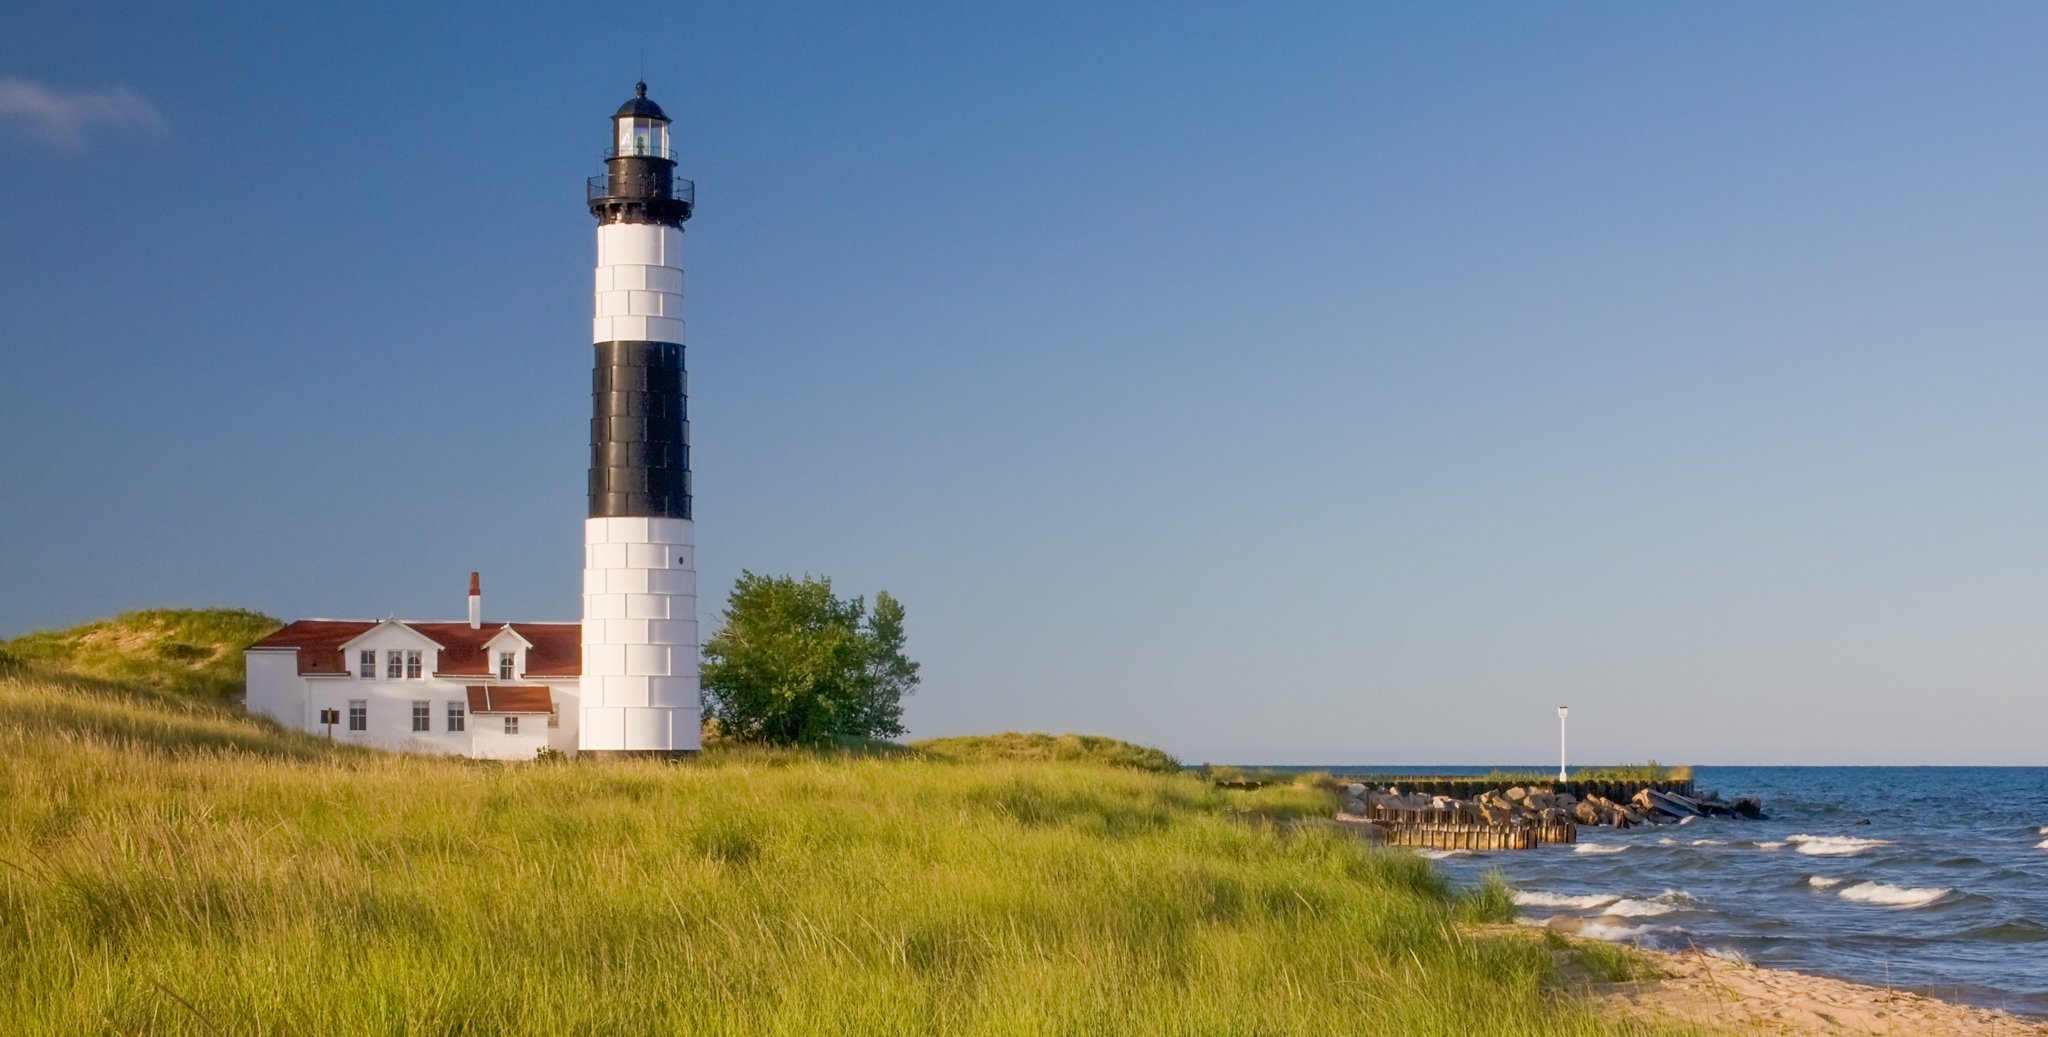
1701,989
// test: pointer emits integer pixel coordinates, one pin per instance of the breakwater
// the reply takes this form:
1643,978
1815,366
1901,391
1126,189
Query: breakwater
1457,813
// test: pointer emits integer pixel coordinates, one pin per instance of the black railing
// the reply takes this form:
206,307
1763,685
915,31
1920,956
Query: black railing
641,152
640,186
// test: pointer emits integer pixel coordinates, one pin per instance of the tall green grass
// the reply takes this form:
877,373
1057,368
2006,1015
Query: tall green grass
172,867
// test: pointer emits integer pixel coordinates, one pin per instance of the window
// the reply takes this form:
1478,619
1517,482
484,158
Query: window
511,725
422,716
366,667
412,665
455,716
359,714
504,666
394,664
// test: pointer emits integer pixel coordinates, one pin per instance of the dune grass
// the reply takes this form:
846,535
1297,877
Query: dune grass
169,866
1032,745
196,652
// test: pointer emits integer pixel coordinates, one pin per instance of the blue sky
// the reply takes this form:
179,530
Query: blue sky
1284,383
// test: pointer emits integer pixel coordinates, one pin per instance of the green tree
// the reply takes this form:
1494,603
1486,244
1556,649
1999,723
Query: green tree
793,665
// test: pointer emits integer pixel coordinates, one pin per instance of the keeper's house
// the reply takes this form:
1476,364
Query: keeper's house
500,692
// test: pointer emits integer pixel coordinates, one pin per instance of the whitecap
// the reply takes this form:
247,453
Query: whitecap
1823,881
1728,954
1437,855
1834,845
1627,908
1599,847
1894,896
2043,846
1613,933
1773,845
1538,898
1667,841
1706,842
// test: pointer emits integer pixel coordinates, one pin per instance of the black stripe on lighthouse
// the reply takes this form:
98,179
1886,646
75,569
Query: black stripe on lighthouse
639,432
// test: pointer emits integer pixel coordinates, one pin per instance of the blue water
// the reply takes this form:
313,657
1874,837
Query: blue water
1944,892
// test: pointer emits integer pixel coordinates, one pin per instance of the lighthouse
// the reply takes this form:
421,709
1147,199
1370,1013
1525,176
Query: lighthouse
639,691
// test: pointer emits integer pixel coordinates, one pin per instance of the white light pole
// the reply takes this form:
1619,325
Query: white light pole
1560,744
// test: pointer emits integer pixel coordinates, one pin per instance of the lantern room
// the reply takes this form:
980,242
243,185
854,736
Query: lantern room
640,129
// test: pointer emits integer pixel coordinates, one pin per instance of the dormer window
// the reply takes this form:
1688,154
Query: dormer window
505,666
414,664
366,664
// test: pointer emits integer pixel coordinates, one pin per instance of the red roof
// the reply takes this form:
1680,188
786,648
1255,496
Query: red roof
557,647
510,698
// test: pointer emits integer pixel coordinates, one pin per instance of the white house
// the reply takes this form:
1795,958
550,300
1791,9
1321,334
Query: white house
501,691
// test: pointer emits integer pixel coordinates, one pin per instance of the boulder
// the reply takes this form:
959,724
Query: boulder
1748,807
1586,813
1355,789
1517,794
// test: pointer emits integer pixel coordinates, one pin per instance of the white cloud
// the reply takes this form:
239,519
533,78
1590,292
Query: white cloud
67,118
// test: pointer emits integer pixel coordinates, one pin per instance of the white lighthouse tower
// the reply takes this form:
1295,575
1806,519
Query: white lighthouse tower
639,686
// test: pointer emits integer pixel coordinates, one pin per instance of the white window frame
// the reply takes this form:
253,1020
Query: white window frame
511,725
422,716
415,663
458,715
505,662
394,664
359,714
366,664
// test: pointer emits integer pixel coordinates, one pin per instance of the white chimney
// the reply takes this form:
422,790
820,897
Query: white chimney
476,602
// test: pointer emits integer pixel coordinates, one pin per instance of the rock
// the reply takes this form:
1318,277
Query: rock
1565,800
1355,789
1586,813
1496,815
1354,805
1517,794
1364,829
1642,802
1748,807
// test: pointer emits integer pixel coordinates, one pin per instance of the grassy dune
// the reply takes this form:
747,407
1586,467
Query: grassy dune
168,866
1034,746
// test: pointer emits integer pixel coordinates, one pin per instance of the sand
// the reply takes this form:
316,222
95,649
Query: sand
1726,996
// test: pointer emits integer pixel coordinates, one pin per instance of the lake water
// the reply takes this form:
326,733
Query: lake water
1944,892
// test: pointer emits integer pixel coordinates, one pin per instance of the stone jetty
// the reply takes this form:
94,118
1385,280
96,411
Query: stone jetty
1522,816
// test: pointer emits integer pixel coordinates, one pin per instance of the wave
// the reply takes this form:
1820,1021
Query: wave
1599,847
1706,842
1628,908
1824,881
1437,855
1610,933
1834,845
2043,846
1728,954
1776,844
1538,898
1894,896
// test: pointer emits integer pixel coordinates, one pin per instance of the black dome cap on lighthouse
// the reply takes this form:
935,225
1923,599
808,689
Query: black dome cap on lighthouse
640,107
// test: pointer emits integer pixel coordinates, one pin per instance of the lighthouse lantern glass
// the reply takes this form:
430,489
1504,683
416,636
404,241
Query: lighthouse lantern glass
643,137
